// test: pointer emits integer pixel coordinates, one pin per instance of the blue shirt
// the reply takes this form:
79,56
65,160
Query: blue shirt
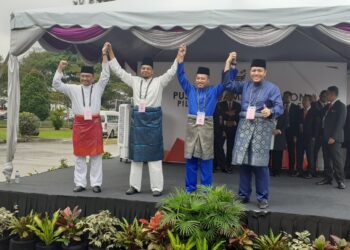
207,96
258,95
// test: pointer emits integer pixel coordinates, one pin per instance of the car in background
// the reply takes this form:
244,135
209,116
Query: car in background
109,122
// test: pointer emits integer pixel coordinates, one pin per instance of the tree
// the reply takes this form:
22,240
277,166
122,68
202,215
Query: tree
35,95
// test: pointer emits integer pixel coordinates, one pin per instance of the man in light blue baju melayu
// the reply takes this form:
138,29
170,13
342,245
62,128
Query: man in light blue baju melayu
261,103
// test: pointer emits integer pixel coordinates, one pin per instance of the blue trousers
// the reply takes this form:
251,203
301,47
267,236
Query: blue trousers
262,181
206,168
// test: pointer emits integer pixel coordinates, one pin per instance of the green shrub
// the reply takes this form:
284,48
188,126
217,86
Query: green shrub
57,118
28,124
212,213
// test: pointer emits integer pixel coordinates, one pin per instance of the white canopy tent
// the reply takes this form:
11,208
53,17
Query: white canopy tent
294,31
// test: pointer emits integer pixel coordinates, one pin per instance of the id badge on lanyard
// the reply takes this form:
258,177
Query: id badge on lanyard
87,113
200,118
142,106
251,113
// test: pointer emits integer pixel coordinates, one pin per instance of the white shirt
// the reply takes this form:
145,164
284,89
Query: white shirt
155,89
73,91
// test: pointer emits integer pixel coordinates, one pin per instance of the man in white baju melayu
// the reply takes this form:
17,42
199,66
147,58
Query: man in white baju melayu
87,130
146,139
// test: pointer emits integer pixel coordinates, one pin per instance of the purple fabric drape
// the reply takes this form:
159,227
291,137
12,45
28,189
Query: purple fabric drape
76,34
343,26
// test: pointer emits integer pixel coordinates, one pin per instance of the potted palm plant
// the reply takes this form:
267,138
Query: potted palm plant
212,213
5,220
101,230
47,231
23,236
72,236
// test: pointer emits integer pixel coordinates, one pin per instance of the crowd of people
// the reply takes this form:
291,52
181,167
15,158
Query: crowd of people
256,130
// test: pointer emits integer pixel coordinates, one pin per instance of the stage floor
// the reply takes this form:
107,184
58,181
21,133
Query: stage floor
288,195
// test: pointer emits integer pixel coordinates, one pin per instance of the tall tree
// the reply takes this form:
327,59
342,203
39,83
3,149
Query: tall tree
35,95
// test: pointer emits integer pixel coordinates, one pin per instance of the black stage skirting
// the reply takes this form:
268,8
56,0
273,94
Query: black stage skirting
296,204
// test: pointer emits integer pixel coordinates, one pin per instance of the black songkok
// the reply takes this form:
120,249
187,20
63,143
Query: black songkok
87,69
258,63
147,61
203,70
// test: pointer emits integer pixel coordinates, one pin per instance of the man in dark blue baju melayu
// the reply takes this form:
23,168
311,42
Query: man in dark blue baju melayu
199,142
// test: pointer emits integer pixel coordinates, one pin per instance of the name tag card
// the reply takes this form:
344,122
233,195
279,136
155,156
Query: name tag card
87,113
200,118
142,106
251,113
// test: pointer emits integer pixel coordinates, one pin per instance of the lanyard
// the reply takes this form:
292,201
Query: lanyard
205,99
146,89
82,92
256,98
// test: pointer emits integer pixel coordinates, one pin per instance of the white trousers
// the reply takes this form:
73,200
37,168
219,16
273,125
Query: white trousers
155,174
80,171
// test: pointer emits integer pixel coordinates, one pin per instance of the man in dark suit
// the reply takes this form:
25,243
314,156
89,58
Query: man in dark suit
346,144
230,110
219,161
279,145
308,131
292,112
333,136
319,106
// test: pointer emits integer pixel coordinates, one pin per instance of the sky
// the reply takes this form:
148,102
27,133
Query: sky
9,6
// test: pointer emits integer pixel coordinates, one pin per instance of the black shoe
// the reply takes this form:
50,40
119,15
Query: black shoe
96,189
324,182
243,199
263,204
297,174
156,193
341,185
131,191
308,176
78,189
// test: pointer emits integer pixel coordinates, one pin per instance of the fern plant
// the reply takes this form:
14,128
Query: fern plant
271,242
210,212
176,243
46,230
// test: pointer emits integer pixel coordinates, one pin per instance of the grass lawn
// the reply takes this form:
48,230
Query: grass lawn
51,133
47,133
2,133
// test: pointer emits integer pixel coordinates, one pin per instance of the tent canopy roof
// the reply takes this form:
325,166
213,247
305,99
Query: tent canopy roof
188,14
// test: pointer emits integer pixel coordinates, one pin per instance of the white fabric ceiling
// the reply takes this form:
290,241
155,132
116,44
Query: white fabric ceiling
188,14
